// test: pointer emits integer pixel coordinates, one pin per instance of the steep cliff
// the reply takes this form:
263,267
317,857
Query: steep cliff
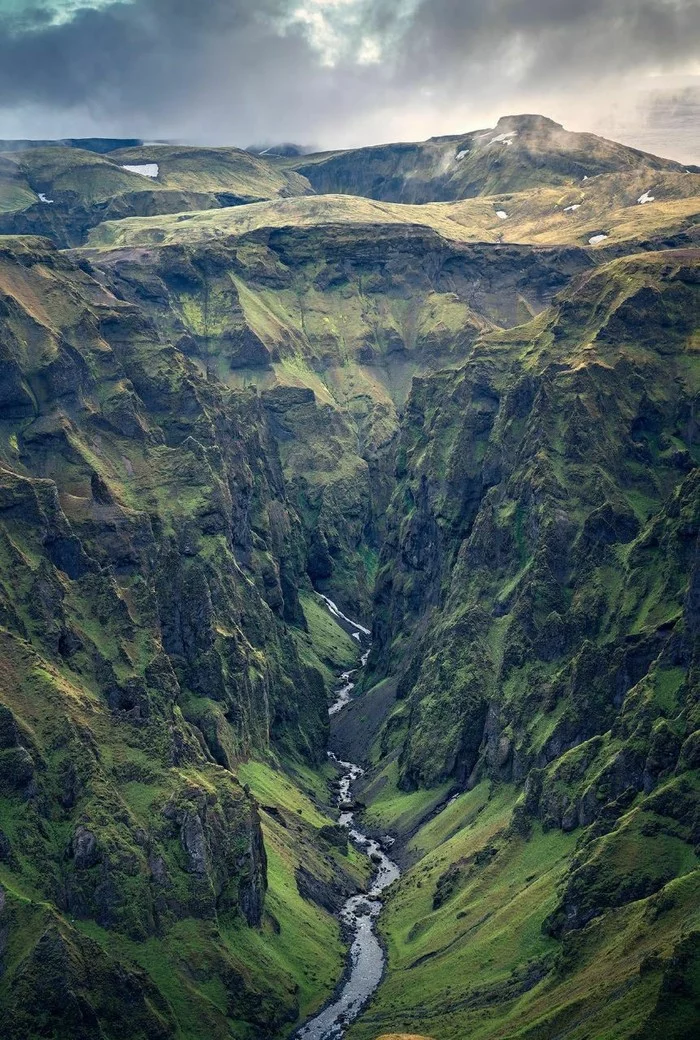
537,611
531,481
149,564
330,323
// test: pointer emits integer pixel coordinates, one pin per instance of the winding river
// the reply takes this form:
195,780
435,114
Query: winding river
359,914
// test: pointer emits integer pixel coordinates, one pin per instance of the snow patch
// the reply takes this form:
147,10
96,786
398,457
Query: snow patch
460,155
501,213
572,209
145,169
504,138
646,197
42,198
585,177
596,239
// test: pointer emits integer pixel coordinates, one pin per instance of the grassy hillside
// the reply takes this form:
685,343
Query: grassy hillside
82,188
607,204
471,950
240,174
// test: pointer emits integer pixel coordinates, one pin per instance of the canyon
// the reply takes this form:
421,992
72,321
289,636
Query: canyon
253,397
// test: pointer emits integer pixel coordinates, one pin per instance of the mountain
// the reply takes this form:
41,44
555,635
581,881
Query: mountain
520,152
459,396
101,145
65,190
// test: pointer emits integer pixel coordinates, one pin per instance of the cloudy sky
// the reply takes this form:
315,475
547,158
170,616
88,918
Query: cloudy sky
344,72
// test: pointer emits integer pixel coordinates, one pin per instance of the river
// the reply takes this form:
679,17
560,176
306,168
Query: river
366,957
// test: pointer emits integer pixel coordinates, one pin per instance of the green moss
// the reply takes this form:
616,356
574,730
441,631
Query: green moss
392,809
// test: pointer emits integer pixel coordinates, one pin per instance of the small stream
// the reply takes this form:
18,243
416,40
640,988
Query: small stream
365,965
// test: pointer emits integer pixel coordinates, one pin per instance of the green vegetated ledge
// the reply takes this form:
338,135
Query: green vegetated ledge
152,642
537,595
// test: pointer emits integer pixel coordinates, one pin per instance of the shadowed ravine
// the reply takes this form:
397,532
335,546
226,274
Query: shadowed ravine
365,965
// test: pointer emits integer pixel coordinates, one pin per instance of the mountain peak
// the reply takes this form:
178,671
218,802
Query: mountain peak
527,121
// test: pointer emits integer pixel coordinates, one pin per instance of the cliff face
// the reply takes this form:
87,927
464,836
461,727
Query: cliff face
148,561
537,615
160,492
330,324
542,488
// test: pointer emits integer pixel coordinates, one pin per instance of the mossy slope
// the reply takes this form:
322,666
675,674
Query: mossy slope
330,323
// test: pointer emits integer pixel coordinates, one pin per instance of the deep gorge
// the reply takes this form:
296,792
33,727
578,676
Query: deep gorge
489,451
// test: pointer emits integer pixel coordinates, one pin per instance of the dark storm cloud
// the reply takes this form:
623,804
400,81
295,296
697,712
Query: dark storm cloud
212,69
243,69
531,41
145,50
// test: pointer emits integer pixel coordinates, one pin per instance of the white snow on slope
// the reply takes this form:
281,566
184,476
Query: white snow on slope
145,169
596,239
504,138
646,197
42,198
460,155
502,214
572,209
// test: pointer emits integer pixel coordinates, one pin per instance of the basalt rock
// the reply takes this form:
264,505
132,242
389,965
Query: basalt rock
330,895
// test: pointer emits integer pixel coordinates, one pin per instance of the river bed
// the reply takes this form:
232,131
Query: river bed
366,958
